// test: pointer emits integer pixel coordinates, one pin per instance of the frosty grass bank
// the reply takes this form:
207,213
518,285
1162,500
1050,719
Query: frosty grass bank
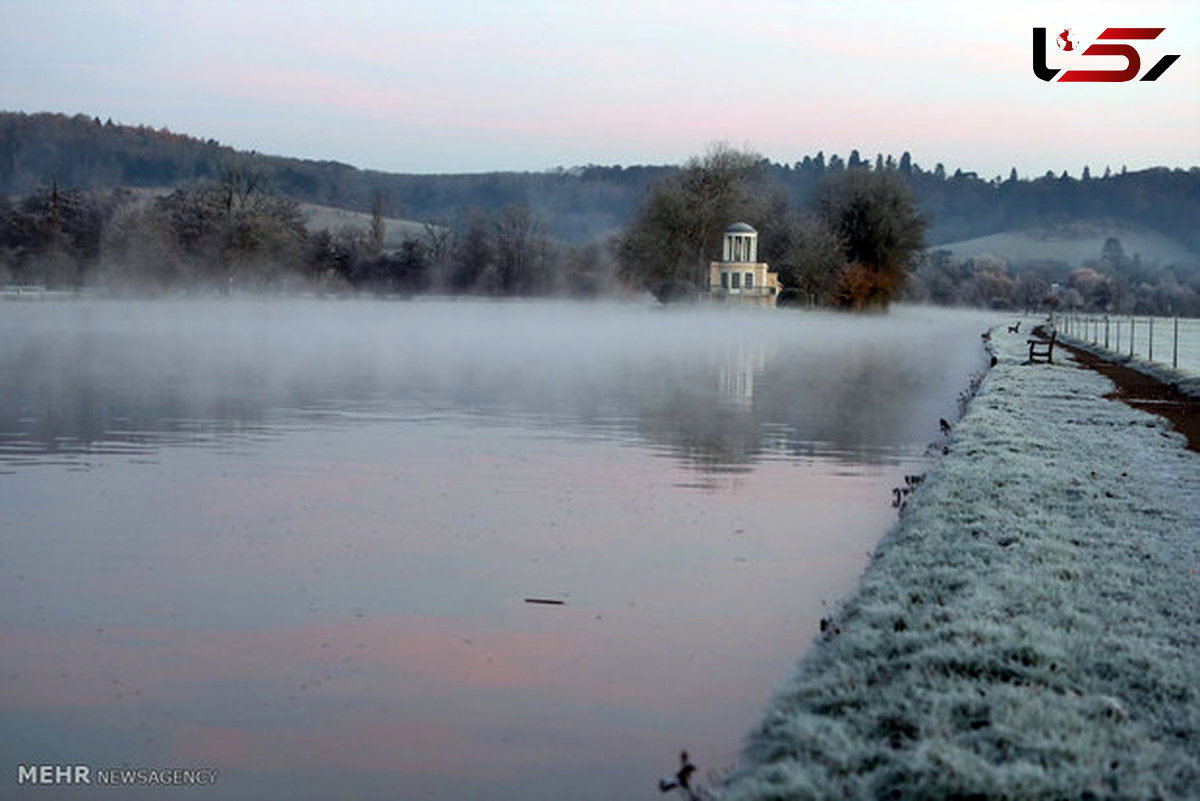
1030,629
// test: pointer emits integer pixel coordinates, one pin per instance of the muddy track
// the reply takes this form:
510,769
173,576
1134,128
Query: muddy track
1145,392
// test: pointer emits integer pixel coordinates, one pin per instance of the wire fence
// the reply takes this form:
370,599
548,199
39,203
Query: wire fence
1173,341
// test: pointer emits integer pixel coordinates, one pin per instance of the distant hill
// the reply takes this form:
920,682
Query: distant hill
583,204
1074,243
81,151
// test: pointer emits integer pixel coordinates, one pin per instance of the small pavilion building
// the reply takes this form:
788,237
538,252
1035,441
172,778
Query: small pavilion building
739,277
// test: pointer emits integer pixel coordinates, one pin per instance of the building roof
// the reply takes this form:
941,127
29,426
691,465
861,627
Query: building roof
740,228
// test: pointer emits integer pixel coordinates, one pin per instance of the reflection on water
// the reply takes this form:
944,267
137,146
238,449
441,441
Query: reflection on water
718,389
292,540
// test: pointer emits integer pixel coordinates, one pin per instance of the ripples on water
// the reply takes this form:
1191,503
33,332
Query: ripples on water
292,540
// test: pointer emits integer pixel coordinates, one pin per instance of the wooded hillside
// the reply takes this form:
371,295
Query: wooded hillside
582,203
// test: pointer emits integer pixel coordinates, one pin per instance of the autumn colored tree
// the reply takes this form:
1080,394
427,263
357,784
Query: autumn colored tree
875,217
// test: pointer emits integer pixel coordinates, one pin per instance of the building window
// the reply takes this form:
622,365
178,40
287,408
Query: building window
724,280
749,280
733,279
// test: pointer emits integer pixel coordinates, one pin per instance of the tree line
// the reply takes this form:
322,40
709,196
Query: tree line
224,219
859,242
235,233
585,203
1112,280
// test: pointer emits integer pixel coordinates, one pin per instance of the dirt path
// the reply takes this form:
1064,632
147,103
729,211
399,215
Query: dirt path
1146,393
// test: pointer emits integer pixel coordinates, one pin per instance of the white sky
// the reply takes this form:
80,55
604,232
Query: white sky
458,86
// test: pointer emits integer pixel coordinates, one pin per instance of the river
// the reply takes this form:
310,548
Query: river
435,549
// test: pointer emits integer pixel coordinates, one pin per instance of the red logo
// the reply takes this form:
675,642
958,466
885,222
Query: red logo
1133,60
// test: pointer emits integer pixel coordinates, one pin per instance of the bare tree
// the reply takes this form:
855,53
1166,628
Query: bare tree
241,181
378,228
678,228
438,241
811,261
521,252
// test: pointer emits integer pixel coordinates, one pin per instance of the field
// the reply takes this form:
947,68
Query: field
332,219
1072,243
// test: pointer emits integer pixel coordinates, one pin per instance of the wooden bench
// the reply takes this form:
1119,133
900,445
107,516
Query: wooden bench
1042,350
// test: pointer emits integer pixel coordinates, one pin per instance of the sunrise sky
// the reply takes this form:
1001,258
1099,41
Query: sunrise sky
458,86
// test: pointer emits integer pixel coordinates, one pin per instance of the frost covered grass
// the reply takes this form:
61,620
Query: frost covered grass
1175,341
1031,628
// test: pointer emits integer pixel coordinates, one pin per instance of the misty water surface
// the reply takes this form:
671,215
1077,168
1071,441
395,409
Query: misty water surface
293,540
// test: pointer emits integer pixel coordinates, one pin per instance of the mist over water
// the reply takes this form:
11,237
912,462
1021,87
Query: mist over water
292,540
86,376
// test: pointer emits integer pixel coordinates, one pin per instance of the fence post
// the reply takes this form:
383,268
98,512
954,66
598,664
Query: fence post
1175,347
1151,356
1106,332
1117,322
